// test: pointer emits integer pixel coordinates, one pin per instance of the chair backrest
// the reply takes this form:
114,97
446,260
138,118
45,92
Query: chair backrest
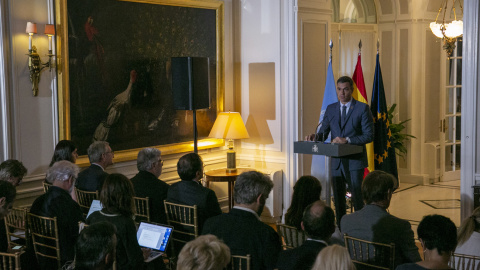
464,262
16,226
240,262
370,255
10,261
291,236
85,198
184,220
142,208
44,232
46,186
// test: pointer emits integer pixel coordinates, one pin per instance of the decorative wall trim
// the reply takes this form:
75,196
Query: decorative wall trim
5,83
471,73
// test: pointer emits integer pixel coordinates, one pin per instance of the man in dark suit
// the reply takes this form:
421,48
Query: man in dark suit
190,191
241,229
101,156
349,121
7,196
318,222
147,184
374,223
58,203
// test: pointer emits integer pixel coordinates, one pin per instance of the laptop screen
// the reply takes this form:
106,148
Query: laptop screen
95,206
154,236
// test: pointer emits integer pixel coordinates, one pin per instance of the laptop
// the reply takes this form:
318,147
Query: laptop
95,206
154,236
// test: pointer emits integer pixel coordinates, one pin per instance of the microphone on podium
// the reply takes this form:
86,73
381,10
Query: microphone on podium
316,134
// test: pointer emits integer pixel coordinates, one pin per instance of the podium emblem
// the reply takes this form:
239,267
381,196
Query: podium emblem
315,148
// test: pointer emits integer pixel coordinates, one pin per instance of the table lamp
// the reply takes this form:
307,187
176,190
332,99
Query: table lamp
230,126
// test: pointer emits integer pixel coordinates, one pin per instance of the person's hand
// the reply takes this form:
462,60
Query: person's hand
146,253
310,137
340,140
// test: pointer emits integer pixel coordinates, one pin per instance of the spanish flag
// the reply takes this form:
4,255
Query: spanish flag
360,94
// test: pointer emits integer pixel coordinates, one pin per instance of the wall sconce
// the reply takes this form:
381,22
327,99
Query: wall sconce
35,64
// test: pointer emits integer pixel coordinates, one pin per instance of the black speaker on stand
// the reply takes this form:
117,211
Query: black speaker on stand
191,87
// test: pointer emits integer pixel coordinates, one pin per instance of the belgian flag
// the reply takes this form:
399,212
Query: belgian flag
384,152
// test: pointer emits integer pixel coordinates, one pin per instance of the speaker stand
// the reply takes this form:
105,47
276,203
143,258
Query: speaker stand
195,146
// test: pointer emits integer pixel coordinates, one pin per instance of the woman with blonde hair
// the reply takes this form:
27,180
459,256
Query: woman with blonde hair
334,257
206,252
469,235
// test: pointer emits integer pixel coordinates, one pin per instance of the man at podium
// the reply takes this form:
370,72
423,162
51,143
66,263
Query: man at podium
349,121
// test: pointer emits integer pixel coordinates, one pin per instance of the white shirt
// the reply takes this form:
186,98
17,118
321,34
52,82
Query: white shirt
248,210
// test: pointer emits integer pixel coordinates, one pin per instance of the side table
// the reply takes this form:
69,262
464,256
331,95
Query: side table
222,175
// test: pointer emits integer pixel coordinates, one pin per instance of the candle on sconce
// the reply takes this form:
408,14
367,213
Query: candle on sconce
49,31
31,29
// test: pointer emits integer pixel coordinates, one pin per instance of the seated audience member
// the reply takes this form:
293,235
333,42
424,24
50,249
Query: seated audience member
95,248
305,191
319,224
241,229
58,203
374,223
147,184
469,235
334,257
119,209
64,150
7,196
12,171
206,252
101,156
438,236
190,191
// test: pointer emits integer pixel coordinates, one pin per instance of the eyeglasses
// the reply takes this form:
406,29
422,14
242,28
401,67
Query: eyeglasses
160,161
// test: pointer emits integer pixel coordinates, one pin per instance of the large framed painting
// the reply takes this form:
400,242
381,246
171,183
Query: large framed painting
114,72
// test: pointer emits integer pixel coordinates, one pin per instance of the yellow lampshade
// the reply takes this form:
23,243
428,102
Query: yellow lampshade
229,125
49,29
31,28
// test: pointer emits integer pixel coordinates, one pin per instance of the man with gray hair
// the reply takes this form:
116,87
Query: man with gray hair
147,184
101,156
58,203
241,229
12,171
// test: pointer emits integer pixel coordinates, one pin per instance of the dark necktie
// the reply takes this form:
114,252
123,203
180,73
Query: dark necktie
344,114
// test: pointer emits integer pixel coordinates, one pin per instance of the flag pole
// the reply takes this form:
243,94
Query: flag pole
328,160
378,45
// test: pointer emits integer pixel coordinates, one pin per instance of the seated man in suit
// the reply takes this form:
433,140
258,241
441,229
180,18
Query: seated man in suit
190,191
58,203
101,156
374,223
318,222
12,171
241,229
147,184
7,196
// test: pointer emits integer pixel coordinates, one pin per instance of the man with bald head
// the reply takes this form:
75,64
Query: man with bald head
318,223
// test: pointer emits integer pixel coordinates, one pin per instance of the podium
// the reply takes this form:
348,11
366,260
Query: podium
328,150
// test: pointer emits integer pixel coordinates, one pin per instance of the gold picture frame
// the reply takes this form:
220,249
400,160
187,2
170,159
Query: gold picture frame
72,67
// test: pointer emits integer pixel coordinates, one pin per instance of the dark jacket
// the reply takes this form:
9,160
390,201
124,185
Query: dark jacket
245,234
146,184
91,178
58,203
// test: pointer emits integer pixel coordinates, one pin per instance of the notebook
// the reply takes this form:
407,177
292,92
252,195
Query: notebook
95,206
154,236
